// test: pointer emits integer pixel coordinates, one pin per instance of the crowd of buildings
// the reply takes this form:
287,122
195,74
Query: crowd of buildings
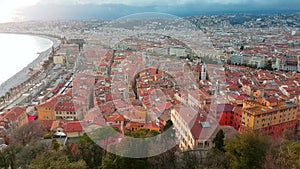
144,81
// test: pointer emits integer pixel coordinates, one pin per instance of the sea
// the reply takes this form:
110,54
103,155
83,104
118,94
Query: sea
17,51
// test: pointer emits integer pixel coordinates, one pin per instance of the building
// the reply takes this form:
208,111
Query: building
115,119
67,128
46,110
135,126
65,110
15,117
287,62
269,115
194,129
203,72
248,59
179,51
228,115
59,59
237,58
73,129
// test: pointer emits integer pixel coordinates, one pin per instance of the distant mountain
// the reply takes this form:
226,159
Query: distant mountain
112,11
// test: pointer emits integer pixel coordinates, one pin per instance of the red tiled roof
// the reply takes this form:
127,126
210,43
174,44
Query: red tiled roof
272,100
114,118
133,123
65,106
49,103
46,123
73,126
151,125
14,113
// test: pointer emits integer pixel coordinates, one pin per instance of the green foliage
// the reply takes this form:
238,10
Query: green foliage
247,150
29,152
268,65
168,125
190,160
165,160
216,159
141,133
55,145
219,141
112,161
90,152
8,157
55,160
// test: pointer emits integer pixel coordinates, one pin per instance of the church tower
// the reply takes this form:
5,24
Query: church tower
203,72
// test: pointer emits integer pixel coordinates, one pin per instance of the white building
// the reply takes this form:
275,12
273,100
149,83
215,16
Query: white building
193,129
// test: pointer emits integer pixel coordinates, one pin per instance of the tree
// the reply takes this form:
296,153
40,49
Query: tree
268,65
30,152
55,145
216,159
165,160
288,155
27,133
8,157
190,160
112,161
219,141
55,160
247,150
292,133
168,125
90,152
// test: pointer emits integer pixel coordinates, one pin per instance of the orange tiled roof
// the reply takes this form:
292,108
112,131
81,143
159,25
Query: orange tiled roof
14,113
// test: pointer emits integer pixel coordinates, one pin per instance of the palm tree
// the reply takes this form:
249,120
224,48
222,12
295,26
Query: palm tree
3,99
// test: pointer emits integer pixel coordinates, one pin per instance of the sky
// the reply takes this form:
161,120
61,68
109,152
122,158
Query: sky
15,10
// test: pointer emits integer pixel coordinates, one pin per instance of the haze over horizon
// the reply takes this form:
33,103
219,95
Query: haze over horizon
111,9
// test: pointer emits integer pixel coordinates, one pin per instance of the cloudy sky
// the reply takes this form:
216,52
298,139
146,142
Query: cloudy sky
109,9
167,2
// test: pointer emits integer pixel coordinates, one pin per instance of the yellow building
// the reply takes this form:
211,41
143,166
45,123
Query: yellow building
270,116
65,110
46,110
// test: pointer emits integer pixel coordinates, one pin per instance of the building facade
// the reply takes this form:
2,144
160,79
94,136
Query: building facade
194,129
270,116
15,117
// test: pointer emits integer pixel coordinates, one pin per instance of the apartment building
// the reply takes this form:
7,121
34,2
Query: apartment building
194,128
268,115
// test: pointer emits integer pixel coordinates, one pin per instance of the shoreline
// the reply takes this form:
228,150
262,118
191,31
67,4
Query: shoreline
24,74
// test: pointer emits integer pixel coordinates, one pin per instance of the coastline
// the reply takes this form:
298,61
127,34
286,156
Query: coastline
23,74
